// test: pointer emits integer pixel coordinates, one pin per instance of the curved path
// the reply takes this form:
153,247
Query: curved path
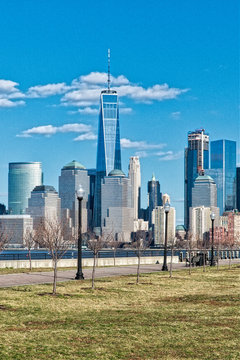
32,278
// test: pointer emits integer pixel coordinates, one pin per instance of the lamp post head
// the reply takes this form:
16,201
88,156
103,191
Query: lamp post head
166,207
80,192
212,216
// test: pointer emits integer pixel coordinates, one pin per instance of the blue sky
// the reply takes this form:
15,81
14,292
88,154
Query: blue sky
174,63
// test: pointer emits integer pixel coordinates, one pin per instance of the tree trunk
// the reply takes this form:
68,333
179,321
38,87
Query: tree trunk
171,263
230,258
204,260
93,271
30,259
190,262
138,268
55,277
114,254
218,257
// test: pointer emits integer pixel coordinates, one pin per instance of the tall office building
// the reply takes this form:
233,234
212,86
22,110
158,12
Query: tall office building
22,179
108,148
238,189
134,175
204,192
44,204
154,197
196,160
223,172
117,207
72,176
158,218
16,227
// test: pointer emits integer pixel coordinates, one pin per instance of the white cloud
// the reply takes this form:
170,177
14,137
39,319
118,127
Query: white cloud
49,130
39,91
176,115
84,91
142,154
86,110
99,78
8,86
142,145
9,104
170,155
9,92
126,110
88,136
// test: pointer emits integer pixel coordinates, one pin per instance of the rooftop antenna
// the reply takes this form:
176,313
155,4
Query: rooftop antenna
109,70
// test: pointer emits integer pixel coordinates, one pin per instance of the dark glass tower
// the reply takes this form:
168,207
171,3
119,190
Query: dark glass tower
154,197
196,161
223,172
108,150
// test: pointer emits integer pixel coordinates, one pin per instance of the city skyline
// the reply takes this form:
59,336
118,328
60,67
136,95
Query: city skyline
161,99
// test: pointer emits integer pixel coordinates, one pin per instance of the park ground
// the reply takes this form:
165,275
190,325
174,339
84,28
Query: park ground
184,317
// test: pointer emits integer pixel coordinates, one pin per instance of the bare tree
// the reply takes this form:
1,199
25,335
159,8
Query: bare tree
140,243
29,241
96,243
172,243
190,238
115,244
54,236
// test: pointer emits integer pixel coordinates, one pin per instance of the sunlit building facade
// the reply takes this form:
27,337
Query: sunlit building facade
108,149
22,179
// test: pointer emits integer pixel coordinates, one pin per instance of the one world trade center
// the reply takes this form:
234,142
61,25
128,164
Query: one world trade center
108,148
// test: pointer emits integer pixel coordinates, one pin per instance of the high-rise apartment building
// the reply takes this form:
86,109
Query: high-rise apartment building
22,179
117,207
154,197
108,148
158,218
134,175
196,160
72,176
200,222
223,172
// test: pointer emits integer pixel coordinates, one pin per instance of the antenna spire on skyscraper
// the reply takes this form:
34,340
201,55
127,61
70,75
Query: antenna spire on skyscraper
109,80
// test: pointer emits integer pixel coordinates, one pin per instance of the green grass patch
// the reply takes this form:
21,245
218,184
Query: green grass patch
185,317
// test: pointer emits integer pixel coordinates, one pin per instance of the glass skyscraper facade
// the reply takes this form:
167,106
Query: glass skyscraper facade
22,179
154,197
223,171
108,149
196,160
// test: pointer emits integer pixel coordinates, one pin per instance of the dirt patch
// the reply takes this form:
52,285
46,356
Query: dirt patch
6,308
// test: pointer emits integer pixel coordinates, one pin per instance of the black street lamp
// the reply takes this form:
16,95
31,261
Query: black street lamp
79,194
212,216
166,209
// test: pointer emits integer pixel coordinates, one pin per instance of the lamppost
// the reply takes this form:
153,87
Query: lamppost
212,216
166,210
79,194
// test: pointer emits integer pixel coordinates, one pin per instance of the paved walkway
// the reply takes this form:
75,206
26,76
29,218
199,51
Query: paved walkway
47,277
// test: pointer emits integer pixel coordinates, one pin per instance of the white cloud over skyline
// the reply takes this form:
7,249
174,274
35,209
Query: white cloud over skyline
48,130
84,91
140,145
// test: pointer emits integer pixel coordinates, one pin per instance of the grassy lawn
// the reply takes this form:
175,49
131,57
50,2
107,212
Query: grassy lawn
186,317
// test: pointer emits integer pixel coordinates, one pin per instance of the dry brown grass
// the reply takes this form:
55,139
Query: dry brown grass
186,317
